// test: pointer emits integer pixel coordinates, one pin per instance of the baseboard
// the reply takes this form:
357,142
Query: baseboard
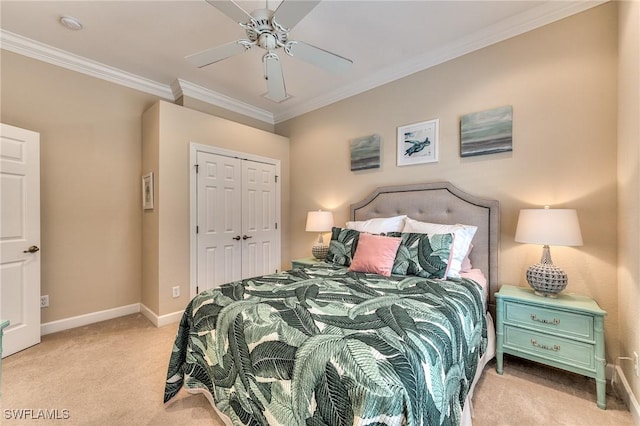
627,395
160,320
86,319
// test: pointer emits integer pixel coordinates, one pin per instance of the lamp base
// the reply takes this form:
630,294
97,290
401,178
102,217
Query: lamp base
319,251
546,278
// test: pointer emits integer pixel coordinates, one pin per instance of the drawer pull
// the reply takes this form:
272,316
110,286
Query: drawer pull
555,321
535,343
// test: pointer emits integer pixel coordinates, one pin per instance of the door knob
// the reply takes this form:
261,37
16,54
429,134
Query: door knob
32,249
246,237
237,238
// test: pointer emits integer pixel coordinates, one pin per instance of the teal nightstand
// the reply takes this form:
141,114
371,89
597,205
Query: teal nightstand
3,324
305,262
566,333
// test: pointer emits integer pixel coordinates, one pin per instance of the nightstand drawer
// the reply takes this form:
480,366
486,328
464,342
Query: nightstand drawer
553,348
569,324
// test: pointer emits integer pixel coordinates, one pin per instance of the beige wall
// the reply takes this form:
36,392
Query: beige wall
178,127
629,197
90,182
561,82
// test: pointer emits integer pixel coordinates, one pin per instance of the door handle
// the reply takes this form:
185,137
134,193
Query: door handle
237,238
32,249
246,237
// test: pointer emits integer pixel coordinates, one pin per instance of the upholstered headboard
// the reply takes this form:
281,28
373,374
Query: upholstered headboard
441,202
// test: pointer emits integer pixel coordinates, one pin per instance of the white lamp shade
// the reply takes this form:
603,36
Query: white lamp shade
553,227
319,221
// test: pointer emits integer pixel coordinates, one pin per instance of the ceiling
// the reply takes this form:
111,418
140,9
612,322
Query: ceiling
142,44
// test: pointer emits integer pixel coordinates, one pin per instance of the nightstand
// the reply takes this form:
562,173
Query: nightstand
305,262
566,333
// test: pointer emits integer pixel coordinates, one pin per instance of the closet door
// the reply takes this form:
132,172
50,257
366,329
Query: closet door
219,243
237,232
260,246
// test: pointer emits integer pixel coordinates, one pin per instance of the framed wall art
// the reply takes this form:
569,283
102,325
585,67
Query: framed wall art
365,153
147,191
487,132
418,143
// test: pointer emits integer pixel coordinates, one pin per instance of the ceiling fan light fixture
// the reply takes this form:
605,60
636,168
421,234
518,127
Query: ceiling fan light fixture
267,41
70,23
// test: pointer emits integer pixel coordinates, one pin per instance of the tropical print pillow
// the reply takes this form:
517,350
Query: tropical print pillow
342,246
423,255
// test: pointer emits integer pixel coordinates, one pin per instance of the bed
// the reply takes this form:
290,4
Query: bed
341,343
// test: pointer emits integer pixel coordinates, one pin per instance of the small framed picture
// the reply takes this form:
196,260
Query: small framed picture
487,132
365,153
147,191
418,143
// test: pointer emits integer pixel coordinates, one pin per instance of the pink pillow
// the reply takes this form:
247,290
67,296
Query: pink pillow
375,254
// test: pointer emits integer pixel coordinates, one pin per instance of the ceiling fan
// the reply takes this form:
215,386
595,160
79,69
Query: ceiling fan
270,30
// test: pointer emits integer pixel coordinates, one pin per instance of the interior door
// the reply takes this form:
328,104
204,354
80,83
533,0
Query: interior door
260,251
19,237
219,244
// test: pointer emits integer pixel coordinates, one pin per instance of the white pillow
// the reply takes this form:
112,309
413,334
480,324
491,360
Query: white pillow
378,225
461,243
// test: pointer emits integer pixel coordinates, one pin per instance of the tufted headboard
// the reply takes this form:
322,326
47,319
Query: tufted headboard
441,202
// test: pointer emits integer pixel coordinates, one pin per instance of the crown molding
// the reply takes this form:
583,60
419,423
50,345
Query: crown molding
185,88
52,55
527,21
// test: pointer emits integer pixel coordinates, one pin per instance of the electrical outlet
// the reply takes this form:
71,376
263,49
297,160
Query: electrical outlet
176,291
44,301
636,367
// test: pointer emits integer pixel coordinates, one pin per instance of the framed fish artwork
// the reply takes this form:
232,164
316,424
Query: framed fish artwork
418,143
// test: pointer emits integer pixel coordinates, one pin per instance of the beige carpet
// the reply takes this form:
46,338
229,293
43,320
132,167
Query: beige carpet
112,373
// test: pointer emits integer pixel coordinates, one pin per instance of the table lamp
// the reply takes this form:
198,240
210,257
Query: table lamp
319,221
549,227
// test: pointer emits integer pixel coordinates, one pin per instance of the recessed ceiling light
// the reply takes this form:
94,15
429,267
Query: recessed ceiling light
71,23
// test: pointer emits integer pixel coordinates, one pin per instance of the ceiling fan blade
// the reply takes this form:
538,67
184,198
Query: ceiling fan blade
275,80
290,12
319,57
231,9
216,54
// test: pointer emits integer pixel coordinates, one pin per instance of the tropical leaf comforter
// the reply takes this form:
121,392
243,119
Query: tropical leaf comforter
325,346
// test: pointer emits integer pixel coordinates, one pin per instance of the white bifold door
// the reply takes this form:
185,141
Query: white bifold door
237,231
19,237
